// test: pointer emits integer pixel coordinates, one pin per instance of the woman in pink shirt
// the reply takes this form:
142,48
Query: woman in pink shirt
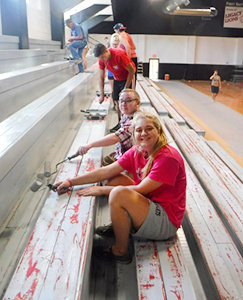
152,204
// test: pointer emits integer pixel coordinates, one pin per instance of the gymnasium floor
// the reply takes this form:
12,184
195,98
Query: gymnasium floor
222,120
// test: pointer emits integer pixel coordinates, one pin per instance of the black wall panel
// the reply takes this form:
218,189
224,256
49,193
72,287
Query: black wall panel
191,71
146,17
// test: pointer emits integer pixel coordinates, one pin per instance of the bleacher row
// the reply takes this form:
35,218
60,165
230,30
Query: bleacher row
213,221
40,114
55,262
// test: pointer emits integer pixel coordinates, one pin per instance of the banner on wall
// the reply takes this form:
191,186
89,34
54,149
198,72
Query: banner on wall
233,15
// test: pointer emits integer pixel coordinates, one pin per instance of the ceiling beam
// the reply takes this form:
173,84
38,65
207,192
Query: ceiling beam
87,13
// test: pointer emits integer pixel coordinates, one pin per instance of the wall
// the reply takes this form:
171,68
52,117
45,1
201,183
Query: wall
147,17
186,49
188,57
39,19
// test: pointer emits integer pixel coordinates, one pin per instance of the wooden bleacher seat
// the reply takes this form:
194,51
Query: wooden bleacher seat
21,87
153,101
159,97
56,260
143,97
227,159
30,133
227,204
159,103
217,254
162,271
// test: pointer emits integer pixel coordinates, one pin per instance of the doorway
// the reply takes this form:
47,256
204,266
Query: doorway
154,68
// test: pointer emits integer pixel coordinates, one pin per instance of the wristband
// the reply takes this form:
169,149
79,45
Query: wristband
70,182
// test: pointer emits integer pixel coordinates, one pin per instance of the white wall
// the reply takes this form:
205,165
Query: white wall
39,19
190,49
187,49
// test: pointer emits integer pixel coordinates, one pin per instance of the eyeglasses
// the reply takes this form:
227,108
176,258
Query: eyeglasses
127,101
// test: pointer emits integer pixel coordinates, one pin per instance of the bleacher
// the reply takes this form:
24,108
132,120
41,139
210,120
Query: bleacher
212,224
41,99
46,241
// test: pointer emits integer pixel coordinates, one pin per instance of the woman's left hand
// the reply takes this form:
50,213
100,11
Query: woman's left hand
91,191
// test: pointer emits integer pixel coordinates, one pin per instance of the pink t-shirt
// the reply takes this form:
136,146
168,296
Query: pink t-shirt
168,168
117,64
131,44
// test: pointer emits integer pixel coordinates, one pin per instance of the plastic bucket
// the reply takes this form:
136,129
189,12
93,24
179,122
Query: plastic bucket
167,77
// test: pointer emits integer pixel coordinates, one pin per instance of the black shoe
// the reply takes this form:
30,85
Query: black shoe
107,255
106,230
114,129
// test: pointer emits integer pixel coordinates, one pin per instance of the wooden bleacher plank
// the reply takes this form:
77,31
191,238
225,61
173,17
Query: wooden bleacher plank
160,108
227,159
160,104
140,77
214,242
148,267
152,83
143,97
65,274
221,256
44,249
21,87
161,270
190,122
227,176
175,271
223,199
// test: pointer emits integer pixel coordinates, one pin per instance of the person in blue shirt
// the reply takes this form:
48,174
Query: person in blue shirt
77,41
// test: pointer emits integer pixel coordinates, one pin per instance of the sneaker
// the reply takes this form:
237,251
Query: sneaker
106,230
107,255
114,129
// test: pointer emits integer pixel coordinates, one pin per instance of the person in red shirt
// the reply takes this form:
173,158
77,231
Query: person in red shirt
153,203
127,44
120,64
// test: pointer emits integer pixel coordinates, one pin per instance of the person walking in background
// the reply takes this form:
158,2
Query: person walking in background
77,42
215,85
127,44
153,203
120,64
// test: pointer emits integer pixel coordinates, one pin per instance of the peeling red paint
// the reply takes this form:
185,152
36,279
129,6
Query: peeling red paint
29,293
147,286
90,165
58,278
68,282
74,219
32,268
151,277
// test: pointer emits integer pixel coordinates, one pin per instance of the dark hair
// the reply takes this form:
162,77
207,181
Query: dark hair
99,49
68,21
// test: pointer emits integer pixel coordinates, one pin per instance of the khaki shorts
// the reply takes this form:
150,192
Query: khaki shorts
156,225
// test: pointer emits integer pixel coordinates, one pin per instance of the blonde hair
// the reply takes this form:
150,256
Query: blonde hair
115,38
161,142
128,90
